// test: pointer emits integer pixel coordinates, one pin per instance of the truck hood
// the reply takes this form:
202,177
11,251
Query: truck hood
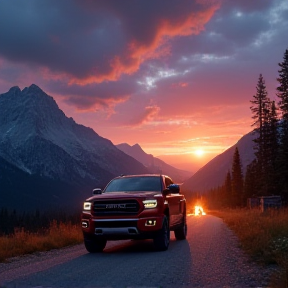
128,194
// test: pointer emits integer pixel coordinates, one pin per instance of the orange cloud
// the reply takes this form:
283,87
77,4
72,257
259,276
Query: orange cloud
149,114
137,52
90,104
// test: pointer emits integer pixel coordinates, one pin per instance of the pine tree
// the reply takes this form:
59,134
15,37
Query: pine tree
251,183
266,143
272,150
237,180
282,93
259,110
228,190
283,87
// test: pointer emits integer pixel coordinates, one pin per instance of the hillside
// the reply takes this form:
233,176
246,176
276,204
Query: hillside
214,172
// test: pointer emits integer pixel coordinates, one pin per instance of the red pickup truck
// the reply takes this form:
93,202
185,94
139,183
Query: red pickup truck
134,207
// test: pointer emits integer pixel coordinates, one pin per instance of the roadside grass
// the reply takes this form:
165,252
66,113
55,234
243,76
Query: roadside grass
58,235
264,236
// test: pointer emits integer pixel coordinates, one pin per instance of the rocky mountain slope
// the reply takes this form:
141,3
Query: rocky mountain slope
154,164
214,172
38,140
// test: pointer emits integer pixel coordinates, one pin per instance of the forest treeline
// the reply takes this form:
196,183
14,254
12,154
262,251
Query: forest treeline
267,174
12,221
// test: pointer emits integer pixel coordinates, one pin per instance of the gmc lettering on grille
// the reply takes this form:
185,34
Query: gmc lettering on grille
115,206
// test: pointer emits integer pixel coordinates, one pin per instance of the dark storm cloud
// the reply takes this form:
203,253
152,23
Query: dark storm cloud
246,6
238,44
61,36
235,25
238,37
93,41
241,29
94,53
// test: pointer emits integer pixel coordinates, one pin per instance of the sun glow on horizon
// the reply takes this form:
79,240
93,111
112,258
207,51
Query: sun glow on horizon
199,152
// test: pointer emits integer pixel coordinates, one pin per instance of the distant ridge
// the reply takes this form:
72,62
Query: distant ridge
214,172
37,141
154,164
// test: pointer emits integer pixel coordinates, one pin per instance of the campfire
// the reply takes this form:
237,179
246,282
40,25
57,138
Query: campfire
198,211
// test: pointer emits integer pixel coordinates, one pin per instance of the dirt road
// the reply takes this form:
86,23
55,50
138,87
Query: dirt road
210,257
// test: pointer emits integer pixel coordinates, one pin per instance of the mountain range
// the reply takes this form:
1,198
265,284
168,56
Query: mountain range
153,164
47,159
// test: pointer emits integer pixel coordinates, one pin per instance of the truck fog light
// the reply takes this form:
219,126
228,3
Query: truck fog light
85,224
150,223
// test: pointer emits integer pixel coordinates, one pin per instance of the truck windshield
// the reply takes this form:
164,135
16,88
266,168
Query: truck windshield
134,184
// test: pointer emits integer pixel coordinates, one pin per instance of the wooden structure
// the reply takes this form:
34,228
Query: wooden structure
267,202
264,202
253,203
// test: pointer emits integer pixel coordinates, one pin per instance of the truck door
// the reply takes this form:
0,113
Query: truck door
174,201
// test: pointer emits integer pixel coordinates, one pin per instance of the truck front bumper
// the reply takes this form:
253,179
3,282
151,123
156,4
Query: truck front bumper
122,228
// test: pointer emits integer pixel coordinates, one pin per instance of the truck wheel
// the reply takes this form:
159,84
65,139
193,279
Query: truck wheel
94,246
162,239
181,233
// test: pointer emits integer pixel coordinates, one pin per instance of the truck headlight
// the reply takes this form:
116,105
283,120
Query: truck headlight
87,206
150,203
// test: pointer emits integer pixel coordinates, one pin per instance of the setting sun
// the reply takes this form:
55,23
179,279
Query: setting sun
199,152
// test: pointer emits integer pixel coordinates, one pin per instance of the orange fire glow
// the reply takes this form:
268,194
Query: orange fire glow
199,211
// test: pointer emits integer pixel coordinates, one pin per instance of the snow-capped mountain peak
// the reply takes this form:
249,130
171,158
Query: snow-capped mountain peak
35,135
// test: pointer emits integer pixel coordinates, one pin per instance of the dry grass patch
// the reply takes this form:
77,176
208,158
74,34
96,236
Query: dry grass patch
57,236
264,236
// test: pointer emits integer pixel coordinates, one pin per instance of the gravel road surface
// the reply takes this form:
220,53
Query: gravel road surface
210,257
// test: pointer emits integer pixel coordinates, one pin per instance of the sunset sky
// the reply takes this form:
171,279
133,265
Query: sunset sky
175,76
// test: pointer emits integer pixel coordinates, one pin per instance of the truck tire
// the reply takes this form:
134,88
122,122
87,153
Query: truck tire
162,239
95,246
181,233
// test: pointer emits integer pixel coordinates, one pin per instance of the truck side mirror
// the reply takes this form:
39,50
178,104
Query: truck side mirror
97,191
166,192
174,188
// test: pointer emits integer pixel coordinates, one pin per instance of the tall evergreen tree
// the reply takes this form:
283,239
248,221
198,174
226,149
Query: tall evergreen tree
266,145
282,93
272,150
227,201
282,89
237,180
251,183
259,111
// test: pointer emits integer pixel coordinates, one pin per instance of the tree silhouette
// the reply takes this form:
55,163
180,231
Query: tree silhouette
251,183
271,150
259,114
237,181
227,200
266,145
282,93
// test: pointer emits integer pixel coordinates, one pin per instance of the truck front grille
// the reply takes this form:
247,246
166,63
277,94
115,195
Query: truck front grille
116,207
